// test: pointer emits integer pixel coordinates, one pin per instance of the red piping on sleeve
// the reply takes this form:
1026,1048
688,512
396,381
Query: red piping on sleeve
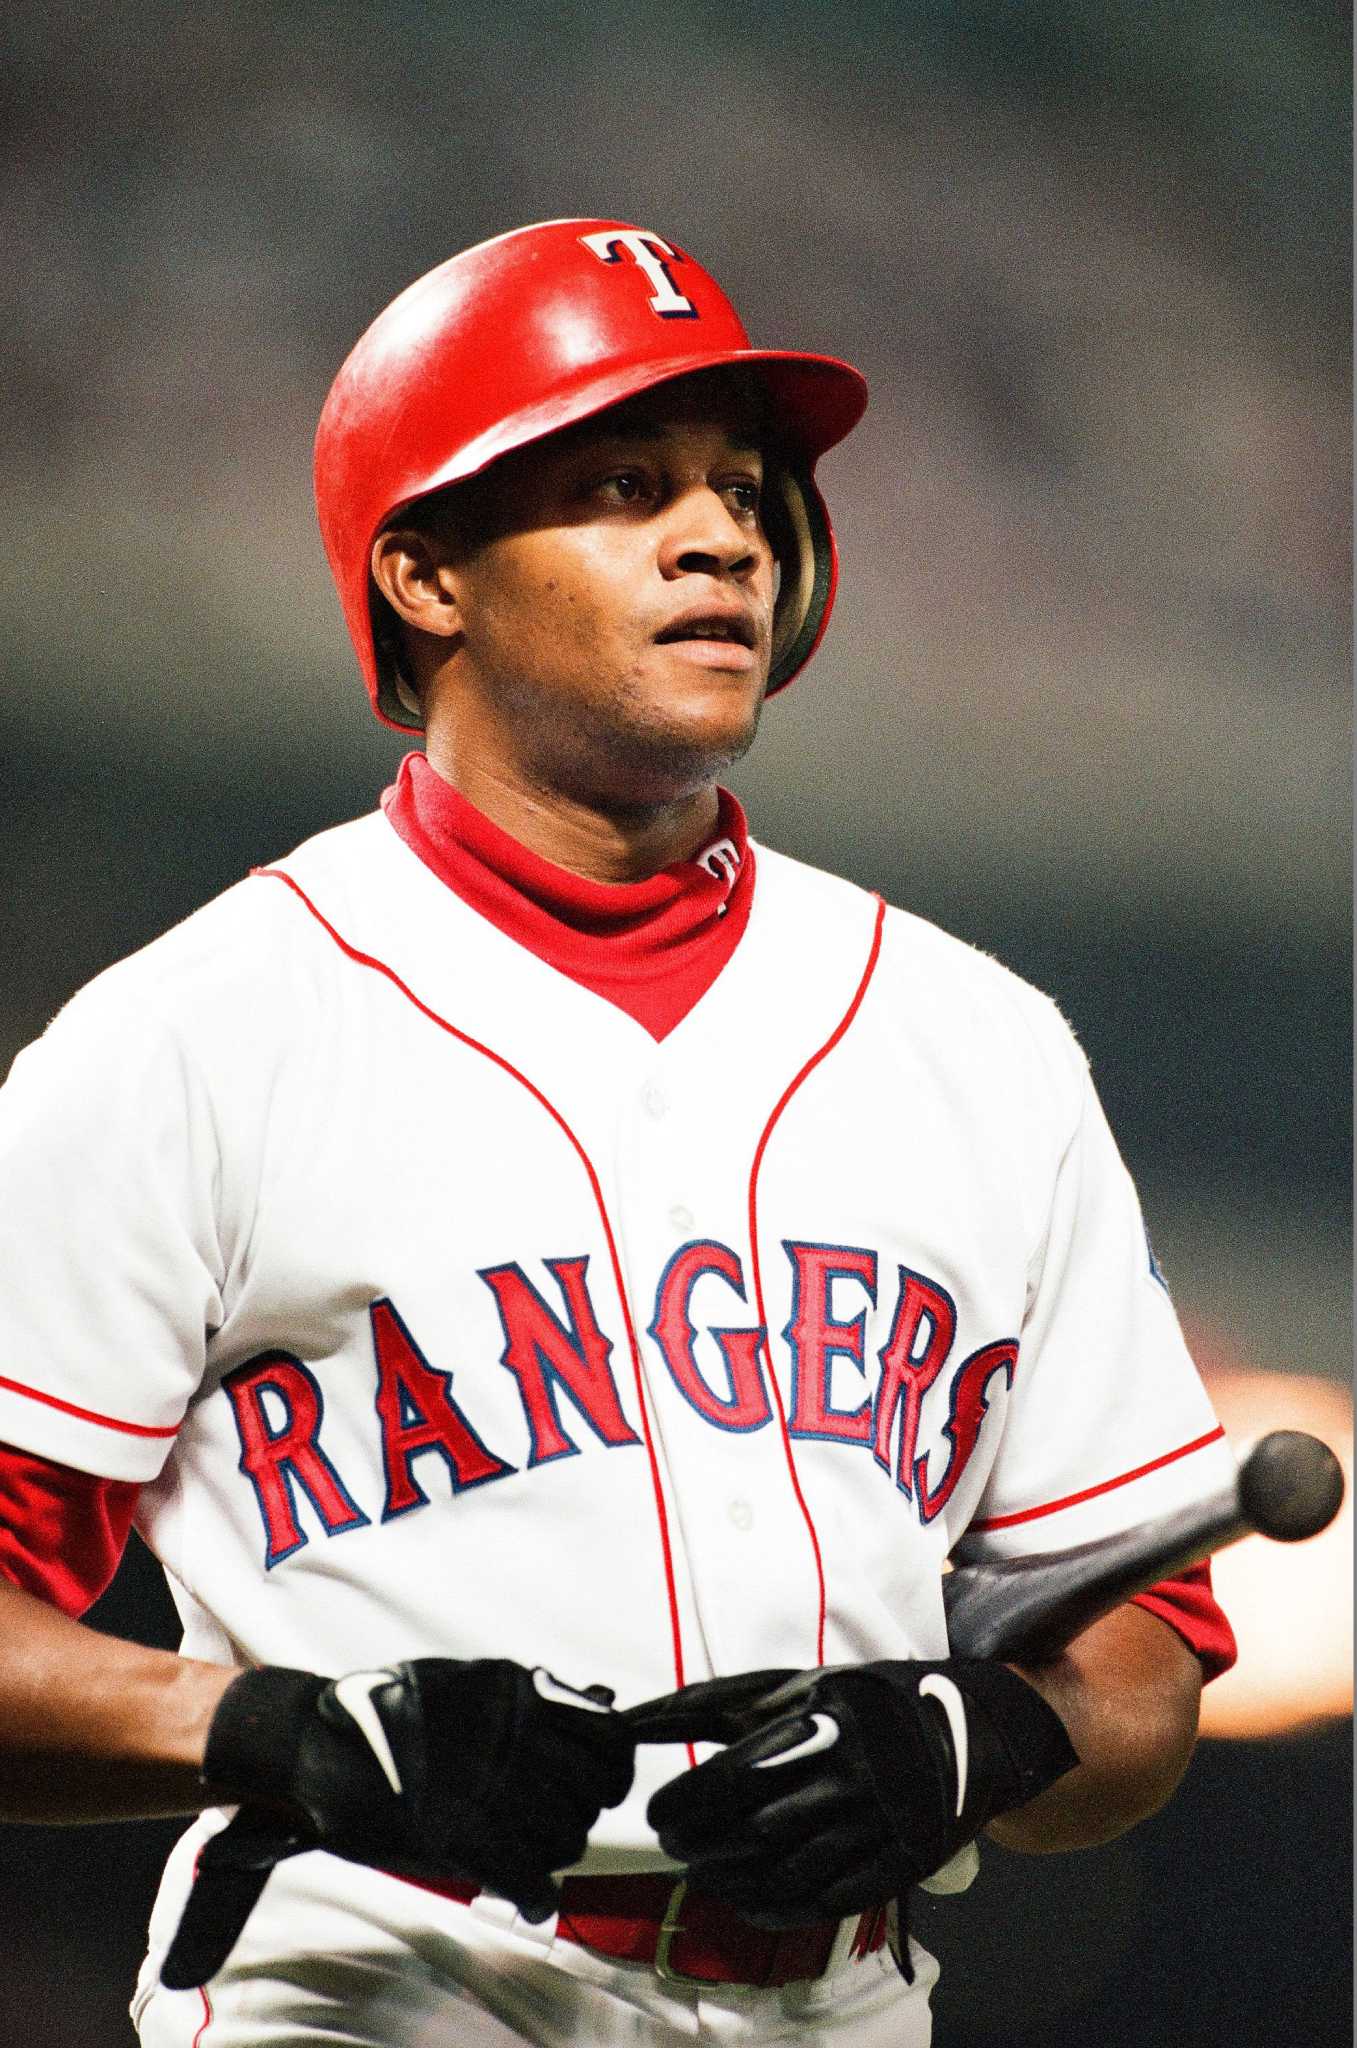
1070,1500
849,1014
497,1059
87,1414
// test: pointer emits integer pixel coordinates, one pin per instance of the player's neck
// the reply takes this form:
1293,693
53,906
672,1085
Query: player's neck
605,844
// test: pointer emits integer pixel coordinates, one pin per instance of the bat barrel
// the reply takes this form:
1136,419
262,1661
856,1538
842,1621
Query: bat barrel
1288,1487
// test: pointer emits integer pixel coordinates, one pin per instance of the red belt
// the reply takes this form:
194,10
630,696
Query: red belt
688,1938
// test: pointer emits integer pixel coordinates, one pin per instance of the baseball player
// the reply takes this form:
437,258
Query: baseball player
554,1282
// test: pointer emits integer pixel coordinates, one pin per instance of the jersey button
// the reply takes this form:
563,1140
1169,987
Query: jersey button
741,1514
681,1217
653,1099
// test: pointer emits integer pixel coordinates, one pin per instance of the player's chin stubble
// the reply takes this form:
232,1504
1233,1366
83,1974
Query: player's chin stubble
620,752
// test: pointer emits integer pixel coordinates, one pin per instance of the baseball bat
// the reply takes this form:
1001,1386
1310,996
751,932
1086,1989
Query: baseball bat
1288,1487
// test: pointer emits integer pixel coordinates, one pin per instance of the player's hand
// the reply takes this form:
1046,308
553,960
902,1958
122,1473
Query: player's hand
710,1710
855,1783
482,1771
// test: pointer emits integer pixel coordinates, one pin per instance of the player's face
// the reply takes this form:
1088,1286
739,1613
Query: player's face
616,610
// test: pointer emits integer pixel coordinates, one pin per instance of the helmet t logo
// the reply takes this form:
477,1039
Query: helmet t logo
649,251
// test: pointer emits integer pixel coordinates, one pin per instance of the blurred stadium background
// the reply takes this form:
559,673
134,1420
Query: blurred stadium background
1085,701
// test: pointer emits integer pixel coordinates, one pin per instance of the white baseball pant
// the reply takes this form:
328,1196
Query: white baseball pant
338,1955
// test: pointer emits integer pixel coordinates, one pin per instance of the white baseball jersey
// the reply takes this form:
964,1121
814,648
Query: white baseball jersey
443,1310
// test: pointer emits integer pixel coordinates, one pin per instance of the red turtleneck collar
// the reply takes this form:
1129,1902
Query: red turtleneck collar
654,948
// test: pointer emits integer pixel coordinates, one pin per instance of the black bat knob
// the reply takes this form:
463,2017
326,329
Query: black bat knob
1290,1485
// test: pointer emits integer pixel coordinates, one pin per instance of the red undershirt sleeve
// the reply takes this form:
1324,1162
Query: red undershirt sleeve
62,1532
1188,1605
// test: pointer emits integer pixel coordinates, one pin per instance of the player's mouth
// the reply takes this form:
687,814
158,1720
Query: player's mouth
716,637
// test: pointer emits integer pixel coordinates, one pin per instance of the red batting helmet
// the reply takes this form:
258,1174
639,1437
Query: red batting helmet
529,333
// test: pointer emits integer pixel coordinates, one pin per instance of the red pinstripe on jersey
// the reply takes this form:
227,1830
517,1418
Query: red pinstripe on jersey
369,960
811,1064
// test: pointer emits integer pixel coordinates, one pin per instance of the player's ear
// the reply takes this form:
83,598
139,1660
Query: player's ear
413,573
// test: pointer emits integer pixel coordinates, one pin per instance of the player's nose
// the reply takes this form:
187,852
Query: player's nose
702,534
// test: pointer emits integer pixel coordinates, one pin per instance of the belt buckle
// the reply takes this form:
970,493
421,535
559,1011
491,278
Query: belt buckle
670,1925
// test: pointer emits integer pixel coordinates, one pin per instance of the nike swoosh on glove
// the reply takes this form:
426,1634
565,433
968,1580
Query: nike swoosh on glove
482,1771
855,1783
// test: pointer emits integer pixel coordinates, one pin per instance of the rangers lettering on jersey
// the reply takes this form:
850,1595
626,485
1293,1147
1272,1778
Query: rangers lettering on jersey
416,1411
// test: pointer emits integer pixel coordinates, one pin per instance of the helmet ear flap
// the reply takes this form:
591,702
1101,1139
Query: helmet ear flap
396,700
802,541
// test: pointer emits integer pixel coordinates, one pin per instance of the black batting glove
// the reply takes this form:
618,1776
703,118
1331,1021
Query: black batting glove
853,1783
483,1772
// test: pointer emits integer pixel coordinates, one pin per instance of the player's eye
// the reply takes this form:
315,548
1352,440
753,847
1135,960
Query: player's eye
624,486
744,495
